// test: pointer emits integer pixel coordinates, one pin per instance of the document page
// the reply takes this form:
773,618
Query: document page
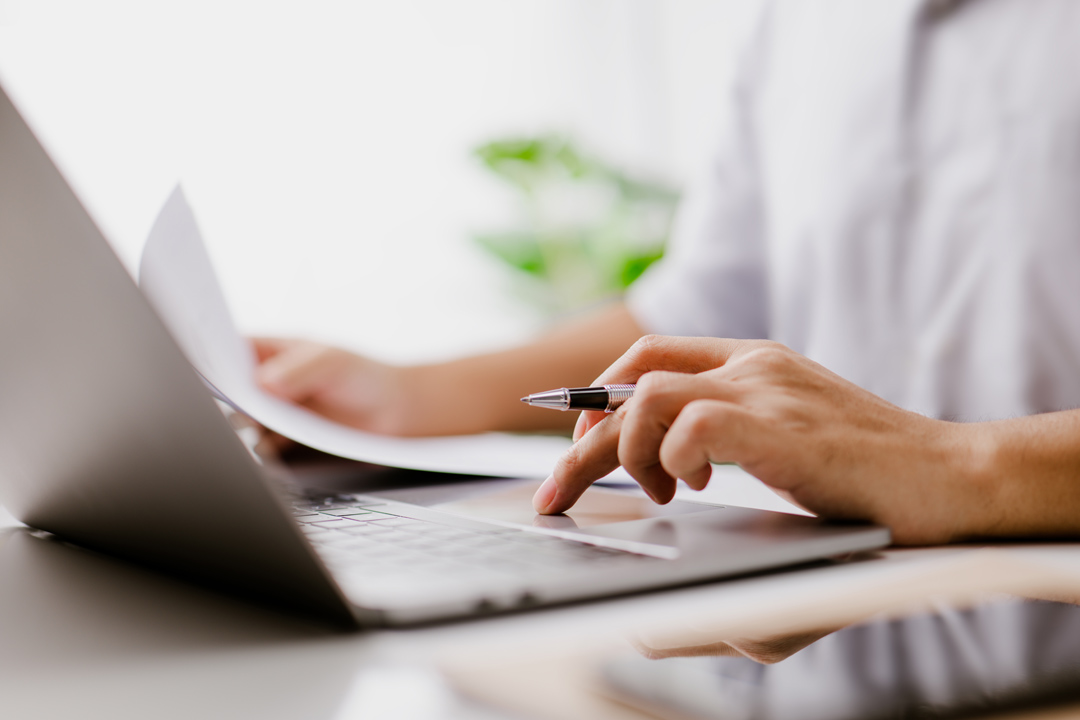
177,277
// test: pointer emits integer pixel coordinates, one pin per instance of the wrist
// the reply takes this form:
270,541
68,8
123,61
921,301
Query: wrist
426,402
944,483
977,471
1030,475
449,398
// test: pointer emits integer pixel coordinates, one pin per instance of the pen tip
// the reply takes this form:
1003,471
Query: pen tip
525,399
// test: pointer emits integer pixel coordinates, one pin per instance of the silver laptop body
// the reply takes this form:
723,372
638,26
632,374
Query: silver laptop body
109,439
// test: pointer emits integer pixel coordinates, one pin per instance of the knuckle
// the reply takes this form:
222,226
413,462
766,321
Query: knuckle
649,385
570,462
771,355
649,341
675,456
651,396
702,419
645,347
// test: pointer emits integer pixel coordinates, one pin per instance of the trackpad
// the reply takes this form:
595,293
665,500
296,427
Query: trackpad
598,507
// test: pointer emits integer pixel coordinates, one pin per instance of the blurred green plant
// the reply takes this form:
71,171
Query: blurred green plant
586,229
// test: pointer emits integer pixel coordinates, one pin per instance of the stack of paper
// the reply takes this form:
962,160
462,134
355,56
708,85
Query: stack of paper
178,278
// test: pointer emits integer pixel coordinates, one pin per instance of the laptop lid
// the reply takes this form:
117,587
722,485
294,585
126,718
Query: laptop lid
107,435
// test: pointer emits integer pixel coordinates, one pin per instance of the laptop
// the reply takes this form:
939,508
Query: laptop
109,439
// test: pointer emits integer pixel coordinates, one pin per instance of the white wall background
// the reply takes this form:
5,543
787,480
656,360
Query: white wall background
325,145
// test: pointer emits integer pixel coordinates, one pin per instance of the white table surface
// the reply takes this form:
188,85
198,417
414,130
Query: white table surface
82,635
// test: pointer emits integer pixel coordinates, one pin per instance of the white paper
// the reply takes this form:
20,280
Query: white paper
178,278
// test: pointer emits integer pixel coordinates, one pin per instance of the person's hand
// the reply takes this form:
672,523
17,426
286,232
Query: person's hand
836,449
344,387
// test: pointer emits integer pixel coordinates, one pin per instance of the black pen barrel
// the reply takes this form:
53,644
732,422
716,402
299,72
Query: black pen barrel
589,398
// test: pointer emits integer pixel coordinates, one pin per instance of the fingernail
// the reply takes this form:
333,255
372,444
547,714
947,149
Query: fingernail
545,495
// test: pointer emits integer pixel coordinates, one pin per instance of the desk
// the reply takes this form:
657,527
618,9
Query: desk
86,636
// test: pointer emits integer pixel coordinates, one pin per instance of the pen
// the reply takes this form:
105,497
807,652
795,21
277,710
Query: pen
607,398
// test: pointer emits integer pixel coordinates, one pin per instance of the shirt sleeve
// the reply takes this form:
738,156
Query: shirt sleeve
712,281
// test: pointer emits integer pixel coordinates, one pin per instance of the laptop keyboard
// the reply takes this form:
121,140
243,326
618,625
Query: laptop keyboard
365,544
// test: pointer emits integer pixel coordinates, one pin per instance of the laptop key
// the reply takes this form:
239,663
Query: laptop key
347,512
392,520
448,533
433,529
392,537
365,529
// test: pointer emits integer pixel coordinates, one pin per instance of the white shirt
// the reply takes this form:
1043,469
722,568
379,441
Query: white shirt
896,194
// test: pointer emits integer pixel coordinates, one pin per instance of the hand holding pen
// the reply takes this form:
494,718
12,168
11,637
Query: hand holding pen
837,449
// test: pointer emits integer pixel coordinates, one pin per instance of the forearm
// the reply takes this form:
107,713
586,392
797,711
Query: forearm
1030,471
482,392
